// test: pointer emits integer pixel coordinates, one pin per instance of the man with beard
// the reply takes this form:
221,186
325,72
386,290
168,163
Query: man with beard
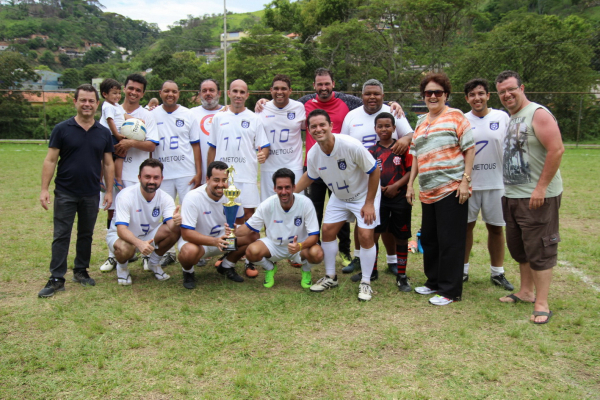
146,219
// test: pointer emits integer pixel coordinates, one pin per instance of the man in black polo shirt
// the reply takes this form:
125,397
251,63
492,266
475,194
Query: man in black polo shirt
78,145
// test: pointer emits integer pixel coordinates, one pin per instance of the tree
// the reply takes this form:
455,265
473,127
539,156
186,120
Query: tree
47,58
71,78
95,55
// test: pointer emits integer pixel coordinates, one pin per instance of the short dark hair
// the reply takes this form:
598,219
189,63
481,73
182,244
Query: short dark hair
438,77
220,165
323,72
284,173
504,75
473,83
316,112
385,115
136,78
210,80
151,162
86,87
282,78
168,81
109,84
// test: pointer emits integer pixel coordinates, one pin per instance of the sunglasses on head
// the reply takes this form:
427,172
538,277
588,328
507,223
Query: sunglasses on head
429,93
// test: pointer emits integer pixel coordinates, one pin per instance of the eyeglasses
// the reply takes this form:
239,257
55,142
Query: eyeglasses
511,91
429,93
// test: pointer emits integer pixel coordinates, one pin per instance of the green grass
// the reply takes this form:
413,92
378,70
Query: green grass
157,340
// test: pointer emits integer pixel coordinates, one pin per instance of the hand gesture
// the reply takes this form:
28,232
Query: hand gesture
146,247
177,216
294,247
220,242
261,157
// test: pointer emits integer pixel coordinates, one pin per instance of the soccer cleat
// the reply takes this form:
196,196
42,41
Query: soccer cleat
466,278
500,280
364,292
353,266
189,280
346,258
230,273
294,264
146,263
134,258
358,277
438,300
158,272
54,285
108,265
424,290
306,281
393,269
412,246
168,259
402,283
220,260
324,283
201,263
251,271
270,277
81,276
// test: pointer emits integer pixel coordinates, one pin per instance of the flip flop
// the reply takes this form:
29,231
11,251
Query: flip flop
515,299
542,314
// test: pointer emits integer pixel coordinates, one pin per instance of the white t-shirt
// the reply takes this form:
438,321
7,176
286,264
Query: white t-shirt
135,157
488,134
139,215
346,170
283,128
204,118
282,226
236,138
204,215
115,112
361,126
177,130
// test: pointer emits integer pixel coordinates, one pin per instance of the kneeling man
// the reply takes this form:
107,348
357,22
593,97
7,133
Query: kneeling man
292,230
204,227
146,219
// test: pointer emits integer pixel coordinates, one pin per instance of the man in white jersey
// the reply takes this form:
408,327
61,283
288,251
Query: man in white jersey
283,121
359,124
488,127
147,220
204,227
209,93
134,151
292,230
351,173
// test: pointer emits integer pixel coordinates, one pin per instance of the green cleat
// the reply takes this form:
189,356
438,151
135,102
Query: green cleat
346,258
270,278
306,281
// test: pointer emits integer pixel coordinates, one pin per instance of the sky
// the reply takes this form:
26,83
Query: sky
166,12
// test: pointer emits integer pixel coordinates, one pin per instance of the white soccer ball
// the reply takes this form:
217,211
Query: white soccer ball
134,128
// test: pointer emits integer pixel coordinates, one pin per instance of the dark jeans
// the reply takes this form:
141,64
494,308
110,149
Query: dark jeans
443,236
316,192
65,208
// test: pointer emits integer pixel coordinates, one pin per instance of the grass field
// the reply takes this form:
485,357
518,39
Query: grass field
157,340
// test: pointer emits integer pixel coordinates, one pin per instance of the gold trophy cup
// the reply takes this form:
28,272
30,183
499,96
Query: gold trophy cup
230,209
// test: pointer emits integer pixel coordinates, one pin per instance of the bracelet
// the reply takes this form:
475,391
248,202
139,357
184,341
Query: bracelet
468,177
300,244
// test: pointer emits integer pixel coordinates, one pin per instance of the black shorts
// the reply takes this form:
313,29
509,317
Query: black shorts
394,217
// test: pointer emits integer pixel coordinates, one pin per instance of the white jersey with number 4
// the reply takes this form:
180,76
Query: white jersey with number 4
346,170
488,134
283,226
361,126
138,214
204,118
177,130
135,157
204,215
283,127
236,138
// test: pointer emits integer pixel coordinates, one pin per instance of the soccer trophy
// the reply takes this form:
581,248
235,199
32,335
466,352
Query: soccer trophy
230,210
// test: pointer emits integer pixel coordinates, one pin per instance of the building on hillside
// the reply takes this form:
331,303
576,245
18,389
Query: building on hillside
48,80
71,52
232,37
4,46
43,37
209,53
38,99
292,36
96,83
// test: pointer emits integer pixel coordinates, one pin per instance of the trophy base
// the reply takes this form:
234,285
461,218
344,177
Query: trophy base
231,244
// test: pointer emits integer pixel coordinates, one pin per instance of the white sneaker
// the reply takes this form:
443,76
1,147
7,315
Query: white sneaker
365,292
425,290
324,283
108,265
146,263
158,272
438,300
123,277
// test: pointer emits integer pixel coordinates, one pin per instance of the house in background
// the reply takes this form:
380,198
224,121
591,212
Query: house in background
48,80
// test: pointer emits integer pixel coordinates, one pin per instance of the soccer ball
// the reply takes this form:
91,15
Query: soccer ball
134,128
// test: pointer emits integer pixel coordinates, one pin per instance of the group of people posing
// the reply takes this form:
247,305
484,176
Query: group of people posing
361,151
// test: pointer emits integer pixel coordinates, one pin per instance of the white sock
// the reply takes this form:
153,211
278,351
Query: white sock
188,271
154,258
227,264
122,270
357,253
171,250
367,260
495,271
306,266
266,264
330,249
466,268
392,259
111,253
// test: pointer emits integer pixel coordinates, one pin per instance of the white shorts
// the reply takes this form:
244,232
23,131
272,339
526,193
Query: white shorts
112,236
249,197
338,210
266,183
178,186
490,204
209,251
280,252
112,207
